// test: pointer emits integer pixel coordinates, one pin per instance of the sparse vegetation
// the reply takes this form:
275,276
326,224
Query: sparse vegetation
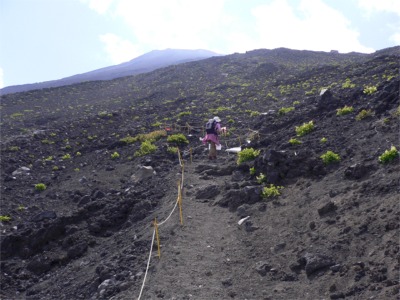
363,114
271,191
146,148
261,178
247,155
66,156
252,171
330,157
344,110
177,139
294,141
40,187
389,155
369,90
284,110
5,218
323,140
305,128
348,84
115,155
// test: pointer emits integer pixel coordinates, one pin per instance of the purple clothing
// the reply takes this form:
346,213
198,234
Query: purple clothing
210,137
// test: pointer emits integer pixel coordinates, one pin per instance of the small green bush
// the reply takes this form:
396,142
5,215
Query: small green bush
252,171
324,140
115,155
184,113
247,154
330,157
284,110
271,191
389,155
128,140
305,128
261,178
178,139
344,110
363,114
369,90
347,84
294,142
172,150
40,187
145,148
66,156
5,218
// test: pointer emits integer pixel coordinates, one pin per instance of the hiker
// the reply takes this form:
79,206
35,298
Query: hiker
213,127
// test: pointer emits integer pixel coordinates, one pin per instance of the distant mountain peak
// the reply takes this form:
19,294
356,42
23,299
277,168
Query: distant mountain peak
147,62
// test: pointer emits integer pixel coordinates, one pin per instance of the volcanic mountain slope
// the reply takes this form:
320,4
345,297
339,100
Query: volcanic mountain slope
145,63
85,231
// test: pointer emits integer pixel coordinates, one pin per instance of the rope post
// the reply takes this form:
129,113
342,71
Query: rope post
180,203
191,157
158,238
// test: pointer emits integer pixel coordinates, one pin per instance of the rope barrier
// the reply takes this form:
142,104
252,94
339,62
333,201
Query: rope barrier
148,264
157,225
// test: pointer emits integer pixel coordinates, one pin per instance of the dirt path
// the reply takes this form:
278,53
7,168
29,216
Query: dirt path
198,259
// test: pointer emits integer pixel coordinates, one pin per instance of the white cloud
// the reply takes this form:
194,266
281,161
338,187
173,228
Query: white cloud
313,25
1,78
100,6
173,23
395,38
119,49
209,24
373,6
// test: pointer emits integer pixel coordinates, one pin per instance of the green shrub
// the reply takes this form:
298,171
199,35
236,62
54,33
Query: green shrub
271,191
21,207
363,114
344,110
14,148
284,110
5,218
115,155
146,148
152,136
247,154
369,90
347,84
323,140
128,140
294,141
389,155
330,157
184,113
66,156
252,171
178,139
305,128
296,102
261,178
172,150
40,187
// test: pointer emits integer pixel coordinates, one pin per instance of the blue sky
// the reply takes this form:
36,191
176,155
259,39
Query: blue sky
43,40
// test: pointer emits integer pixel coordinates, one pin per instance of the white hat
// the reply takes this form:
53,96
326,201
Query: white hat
217,119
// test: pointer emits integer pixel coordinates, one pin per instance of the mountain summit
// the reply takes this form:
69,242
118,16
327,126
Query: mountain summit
145,63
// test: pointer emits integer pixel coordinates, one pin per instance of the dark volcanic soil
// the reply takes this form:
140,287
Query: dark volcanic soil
333,233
